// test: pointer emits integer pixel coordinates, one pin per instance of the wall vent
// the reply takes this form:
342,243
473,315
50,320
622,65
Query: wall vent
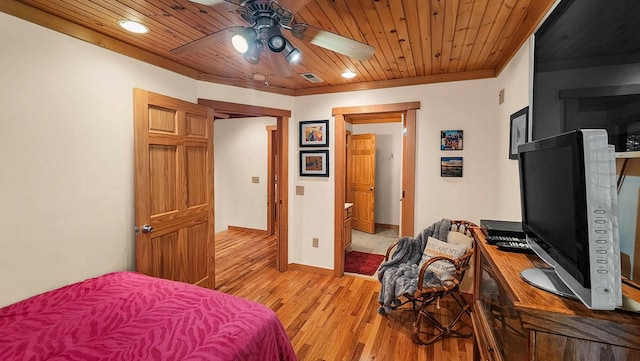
312,77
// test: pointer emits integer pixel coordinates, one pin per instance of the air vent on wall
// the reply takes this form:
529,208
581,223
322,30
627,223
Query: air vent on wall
312,77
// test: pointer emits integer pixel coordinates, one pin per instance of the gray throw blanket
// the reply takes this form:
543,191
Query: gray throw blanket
399,275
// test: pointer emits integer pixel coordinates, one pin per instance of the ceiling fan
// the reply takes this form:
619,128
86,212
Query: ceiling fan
267,19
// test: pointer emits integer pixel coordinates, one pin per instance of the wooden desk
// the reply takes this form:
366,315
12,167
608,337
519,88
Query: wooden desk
513,320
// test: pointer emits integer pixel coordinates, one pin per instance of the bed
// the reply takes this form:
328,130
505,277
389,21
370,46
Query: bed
128,316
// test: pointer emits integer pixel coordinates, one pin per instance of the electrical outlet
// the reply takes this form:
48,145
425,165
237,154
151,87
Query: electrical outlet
501,96
255,179
315,242
299,190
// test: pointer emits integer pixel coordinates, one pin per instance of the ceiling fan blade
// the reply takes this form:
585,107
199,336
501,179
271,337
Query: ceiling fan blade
279,64
292,5
207,2
208,41
332,41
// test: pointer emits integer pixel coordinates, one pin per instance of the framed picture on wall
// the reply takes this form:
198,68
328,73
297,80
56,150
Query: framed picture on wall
451,140
314,163
314,133
451,166
519,131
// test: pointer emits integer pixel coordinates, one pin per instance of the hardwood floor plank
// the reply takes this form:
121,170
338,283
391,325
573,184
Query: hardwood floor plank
326,318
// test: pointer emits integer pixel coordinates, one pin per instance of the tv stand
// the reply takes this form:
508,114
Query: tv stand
513,320
546,279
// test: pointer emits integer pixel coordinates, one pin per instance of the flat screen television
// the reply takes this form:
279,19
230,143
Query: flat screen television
569,215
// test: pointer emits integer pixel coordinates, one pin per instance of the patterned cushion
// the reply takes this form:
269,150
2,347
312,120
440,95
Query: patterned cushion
443,269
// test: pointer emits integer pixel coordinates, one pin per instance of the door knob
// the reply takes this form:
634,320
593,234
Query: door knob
147,229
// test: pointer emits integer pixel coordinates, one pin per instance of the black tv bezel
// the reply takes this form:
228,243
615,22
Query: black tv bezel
580,267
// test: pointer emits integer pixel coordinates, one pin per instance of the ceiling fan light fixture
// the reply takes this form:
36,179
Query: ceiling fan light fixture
242,39
292,54
276,41
252,55
348,74
133,26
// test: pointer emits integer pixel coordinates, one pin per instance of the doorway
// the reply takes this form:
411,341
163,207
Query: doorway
386,186
280,193
342,116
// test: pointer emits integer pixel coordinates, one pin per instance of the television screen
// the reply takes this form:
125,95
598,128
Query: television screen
569,215
554,189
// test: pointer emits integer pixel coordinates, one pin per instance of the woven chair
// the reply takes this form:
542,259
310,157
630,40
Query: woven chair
424,297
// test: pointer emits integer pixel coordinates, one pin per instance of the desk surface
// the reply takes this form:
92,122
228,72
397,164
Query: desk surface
543,311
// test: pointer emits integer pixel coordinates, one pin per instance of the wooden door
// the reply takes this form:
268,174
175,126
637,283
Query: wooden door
174,189
362,180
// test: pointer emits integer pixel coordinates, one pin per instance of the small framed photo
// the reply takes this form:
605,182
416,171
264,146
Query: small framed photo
314,133
451,140
451,166
519,131
314,163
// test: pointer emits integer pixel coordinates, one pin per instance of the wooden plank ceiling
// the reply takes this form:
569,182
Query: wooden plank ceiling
416,41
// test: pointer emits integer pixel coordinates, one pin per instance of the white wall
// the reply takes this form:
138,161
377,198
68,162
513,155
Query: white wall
388,169
240,154
515,80
66,150
467,105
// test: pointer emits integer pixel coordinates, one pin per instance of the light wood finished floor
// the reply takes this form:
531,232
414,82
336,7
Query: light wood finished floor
326,318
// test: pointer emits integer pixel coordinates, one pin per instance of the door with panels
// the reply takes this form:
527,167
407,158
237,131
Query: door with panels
174,200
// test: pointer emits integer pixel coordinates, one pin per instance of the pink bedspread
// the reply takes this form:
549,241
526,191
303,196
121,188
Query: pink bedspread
128,316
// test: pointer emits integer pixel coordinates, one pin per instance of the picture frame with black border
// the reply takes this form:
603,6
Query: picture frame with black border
451,139
451,166
314,133
518,131
314,163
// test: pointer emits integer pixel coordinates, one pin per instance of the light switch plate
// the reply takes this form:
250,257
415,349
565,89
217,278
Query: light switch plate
299,190
255,179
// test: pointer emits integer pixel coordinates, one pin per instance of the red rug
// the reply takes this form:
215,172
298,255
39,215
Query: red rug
362,263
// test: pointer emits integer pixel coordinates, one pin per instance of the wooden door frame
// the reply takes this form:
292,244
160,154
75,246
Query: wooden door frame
282,116
271,174
408,169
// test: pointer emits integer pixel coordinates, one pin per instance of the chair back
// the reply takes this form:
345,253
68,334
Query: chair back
463,262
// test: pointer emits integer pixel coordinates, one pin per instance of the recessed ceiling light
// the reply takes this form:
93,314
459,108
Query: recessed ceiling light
348,74
133,26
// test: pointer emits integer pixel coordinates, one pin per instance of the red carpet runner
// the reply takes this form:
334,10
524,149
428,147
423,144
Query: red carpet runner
362,263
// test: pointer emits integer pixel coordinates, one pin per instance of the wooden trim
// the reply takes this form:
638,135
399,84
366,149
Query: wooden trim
248,110
374,121
379,108
408,174
388,226
283,194
311,269
340,156
244,229
428,79
271,143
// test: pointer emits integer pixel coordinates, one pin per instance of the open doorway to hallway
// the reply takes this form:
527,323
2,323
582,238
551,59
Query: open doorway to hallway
279,140
387,172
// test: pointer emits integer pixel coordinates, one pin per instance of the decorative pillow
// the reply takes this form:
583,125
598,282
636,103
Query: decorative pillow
443,269
459,238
